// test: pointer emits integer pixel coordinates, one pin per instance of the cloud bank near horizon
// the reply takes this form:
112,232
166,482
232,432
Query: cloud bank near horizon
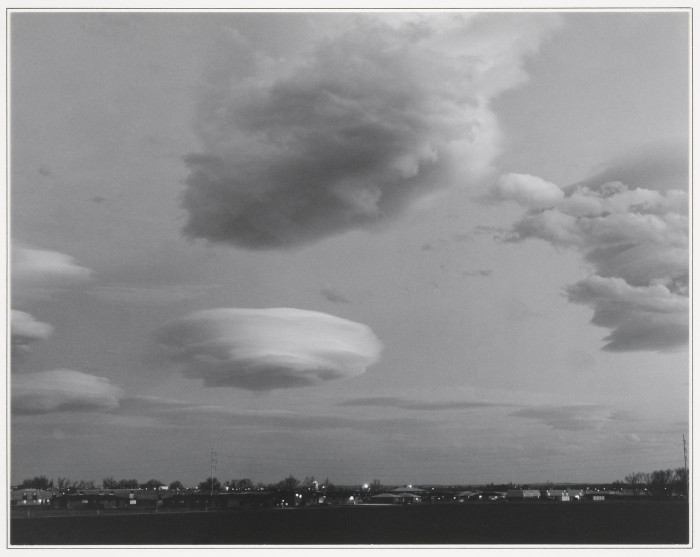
348,131
635,239
267,349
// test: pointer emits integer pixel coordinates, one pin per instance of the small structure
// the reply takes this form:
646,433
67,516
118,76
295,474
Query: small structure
523,494
557,495
385,499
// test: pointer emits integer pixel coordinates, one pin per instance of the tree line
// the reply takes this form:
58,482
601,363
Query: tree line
659,482
290,483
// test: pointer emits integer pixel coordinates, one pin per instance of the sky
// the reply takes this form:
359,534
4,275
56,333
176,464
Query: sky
418,247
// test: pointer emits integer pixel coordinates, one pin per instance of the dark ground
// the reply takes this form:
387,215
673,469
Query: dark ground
494,523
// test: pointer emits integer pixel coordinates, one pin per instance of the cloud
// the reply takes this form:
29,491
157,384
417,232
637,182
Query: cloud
406,404
333,296
159,295
349,130
168,412
266,349
641,317
25,330
38,273
63,390
526,190
636,240
575,417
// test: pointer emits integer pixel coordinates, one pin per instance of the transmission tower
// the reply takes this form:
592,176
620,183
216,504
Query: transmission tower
211,471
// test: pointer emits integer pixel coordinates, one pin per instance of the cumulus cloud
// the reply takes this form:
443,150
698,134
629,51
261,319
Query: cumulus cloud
347,131
63,390
25,330
527,190
37,273
570,417
636,240
266,349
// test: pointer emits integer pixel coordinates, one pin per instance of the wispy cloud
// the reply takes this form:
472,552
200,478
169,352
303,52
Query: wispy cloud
408,404
62,390
352,129
570,417
636,241
266,349
179,413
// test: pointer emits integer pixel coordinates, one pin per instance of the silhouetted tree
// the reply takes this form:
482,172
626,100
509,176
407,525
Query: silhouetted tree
375,485
208,485
151,484
63,483
290,483
240,485
661,481
127,484
634,480
37,482
176,486
109,483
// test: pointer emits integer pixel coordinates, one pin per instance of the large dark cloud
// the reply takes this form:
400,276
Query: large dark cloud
63,390
636,241
266,349
348,131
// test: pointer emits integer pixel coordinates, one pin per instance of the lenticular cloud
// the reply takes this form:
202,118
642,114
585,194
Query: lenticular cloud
266,349
348,130
63,390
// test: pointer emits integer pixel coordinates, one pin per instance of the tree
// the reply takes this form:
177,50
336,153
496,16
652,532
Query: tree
63,483
241,485
634,480
290,483
37,482
176,486
151,484
309,483
375,485
660,481
127,484
209,485
680,481
109,483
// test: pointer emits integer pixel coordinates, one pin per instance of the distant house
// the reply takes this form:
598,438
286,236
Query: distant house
386,498
523,494
557,495
465,495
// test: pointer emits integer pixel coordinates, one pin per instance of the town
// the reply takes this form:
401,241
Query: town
40,493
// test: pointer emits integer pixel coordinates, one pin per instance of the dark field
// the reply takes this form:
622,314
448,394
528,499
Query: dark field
598,523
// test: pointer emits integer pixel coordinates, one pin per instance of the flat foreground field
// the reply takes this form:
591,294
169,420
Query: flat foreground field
581,523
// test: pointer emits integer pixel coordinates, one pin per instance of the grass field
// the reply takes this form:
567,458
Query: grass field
583,523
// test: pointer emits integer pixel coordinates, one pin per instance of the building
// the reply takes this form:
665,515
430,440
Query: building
30,497
523,494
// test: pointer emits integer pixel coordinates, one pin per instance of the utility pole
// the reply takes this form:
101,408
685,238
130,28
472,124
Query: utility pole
211,471
685,467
